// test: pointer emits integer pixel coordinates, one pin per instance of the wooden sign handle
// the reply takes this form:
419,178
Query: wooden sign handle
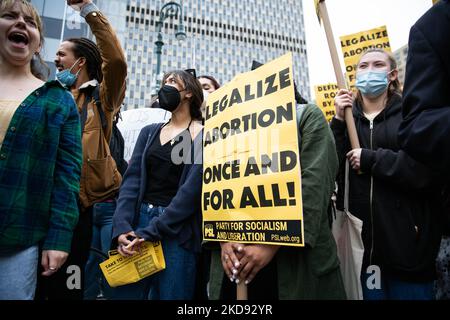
351,128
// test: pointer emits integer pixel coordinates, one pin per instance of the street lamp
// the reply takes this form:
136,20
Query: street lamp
171,10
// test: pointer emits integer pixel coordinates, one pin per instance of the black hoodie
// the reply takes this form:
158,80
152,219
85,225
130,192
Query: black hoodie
395,197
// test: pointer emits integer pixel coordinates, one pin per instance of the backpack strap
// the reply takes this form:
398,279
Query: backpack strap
83,115
98,103
92,94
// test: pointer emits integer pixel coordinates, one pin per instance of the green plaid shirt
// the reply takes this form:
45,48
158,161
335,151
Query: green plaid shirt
40,165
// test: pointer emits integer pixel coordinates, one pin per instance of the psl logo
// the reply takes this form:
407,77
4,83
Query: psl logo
209,231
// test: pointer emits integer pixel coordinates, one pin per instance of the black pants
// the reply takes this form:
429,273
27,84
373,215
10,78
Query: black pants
68,282
202,277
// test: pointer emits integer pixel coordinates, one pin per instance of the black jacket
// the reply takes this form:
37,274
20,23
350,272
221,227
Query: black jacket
425,130
400,232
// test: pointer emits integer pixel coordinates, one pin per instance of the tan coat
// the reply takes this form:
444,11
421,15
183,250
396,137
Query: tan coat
100,179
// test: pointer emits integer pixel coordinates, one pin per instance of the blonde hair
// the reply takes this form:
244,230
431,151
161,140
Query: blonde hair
394,86
38,67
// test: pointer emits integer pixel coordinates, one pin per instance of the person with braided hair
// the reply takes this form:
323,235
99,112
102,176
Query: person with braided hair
94,73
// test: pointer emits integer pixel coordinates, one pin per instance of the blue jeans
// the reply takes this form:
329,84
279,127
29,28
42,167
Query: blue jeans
394,289
176,282
95,283
18,274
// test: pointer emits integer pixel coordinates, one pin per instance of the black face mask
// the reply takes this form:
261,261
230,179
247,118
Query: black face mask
169,98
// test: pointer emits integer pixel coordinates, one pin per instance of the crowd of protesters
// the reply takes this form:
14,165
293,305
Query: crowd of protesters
61,192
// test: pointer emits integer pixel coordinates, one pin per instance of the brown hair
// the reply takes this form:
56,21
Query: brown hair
38,67
191,85
394,87
212,79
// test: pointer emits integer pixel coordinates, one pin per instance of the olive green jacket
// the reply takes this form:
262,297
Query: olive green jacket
311,272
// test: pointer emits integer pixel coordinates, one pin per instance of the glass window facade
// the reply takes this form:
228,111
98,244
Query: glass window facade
53,9
223,38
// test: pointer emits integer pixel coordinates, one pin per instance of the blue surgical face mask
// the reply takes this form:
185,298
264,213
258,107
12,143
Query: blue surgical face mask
372,83
66,77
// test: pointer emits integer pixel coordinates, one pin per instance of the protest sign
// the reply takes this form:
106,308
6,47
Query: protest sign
251,177
134,120
325,95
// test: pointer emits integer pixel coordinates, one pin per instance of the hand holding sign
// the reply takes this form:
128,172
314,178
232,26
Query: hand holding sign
255,257
231,253
354,157
251,178
344,99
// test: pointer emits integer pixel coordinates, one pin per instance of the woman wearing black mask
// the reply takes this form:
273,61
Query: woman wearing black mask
160,195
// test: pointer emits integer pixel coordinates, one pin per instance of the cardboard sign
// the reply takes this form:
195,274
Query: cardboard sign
325,95
251,177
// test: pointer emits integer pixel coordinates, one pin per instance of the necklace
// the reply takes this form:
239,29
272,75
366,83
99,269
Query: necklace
173,140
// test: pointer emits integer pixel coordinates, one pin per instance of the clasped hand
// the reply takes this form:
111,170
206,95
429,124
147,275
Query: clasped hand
241,263
129,244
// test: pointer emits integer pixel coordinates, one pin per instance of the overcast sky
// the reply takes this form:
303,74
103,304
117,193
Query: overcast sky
351,16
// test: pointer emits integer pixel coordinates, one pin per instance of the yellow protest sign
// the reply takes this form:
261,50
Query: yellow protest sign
119,270
354,44
251,178
325,95
435,1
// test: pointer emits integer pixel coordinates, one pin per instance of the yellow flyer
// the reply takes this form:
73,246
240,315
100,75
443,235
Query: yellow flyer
119,270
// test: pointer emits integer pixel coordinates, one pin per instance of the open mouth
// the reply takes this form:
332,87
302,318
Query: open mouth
18,38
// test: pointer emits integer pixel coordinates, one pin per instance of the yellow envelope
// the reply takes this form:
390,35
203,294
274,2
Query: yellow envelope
119,270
